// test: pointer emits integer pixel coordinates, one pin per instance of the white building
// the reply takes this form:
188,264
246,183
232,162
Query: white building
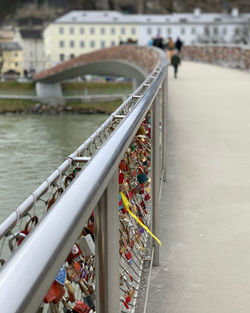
79,32
194,27
31,41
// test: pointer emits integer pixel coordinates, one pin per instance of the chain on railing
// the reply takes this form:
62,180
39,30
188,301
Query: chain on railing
73,289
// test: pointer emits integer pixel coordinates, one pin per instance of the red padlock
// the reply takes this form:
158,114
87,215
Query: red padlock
55,293
28,227
128,298
128,255
74,253
121,178
122,165
130,195
81,307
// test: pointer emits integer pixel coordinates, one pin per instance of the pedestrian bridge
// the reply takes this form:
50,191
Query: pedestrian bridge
127,60
203,222
204,215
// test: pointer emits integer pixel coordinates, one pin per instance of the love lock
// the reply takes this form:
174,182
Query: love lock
54,294
31,223
14,239
81,307
75,252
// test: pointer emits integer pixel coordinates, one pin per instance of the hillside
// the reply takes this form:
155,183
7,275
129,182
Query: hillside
11,11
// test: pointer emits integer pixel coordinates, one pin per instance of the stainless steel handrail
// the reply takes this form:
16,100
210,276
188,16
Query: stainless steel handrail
31,269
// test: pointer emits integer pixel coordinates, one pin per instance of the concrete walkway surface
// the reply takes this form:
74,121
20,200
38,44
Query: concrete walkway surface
205,205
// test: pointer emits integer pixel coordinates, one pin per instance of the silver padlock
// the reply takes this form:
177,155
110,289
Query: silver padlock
87,245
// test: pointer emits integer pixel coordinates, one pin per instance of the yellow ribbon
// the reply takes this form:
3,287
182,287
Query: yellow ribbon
127,205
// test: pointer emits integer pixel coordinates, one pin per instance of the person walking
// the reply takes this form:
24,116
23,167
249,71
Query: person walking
170,48
178,45
175,61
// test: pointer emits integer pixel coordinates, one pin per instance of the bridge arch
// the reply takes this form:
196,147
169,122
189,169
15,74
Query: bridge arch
131,61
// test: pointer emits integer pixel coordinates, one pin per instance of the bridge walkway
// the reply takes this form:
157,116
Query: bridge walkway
205,206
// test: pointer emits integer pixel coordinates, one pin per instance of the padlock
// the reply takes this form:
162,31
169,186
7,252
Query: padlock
81,307
88,300
128,256
68,179
125,303
61,276
128,298
27,229
55,195
74,253
142,178
14,239
122,165
121,177
120,202
70,290
55,293
86,245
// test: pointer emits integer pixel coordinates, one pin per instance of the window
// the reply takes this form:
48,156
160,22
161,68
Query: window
81,30
193,30
102,44
182,30
71,30
92,30
123,31
72,44
224,31
206,31
61,44
16,54
112,43
112,30
149,31
215,30
92,44
16,64
133,31
169,31
102,30
61,30
158,31
72,56
82,44
61,57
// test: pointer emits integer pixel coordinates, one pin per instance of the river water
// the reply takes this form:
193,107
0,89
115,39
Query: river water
32,147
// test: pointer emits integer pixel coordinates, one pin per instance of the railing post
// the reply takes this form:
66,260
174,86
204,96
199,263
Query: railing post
164,125
155,174
107,249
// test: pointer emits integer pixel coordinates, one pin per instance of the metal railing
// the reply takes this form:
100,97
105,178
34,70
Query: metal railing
28,273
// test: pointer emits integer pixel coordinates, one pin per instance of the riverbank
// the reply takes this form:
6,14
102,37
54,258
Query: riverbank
69,88
17,106
79,98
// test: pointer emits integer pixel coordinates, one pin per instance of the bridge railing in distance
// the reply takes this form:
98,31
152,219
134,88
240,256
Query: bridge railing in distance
233,56
104,202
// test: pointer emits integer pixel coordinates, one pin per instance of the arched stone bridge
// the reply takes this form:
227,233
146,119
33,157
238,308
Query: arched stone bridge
127,60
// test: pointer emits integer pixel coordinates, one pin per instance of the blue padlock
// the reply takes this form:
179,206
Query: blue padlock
142,178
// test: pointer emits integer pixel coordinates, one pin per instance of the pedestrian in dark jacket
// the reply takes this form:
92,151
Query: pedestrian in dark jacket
178,44
175,61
